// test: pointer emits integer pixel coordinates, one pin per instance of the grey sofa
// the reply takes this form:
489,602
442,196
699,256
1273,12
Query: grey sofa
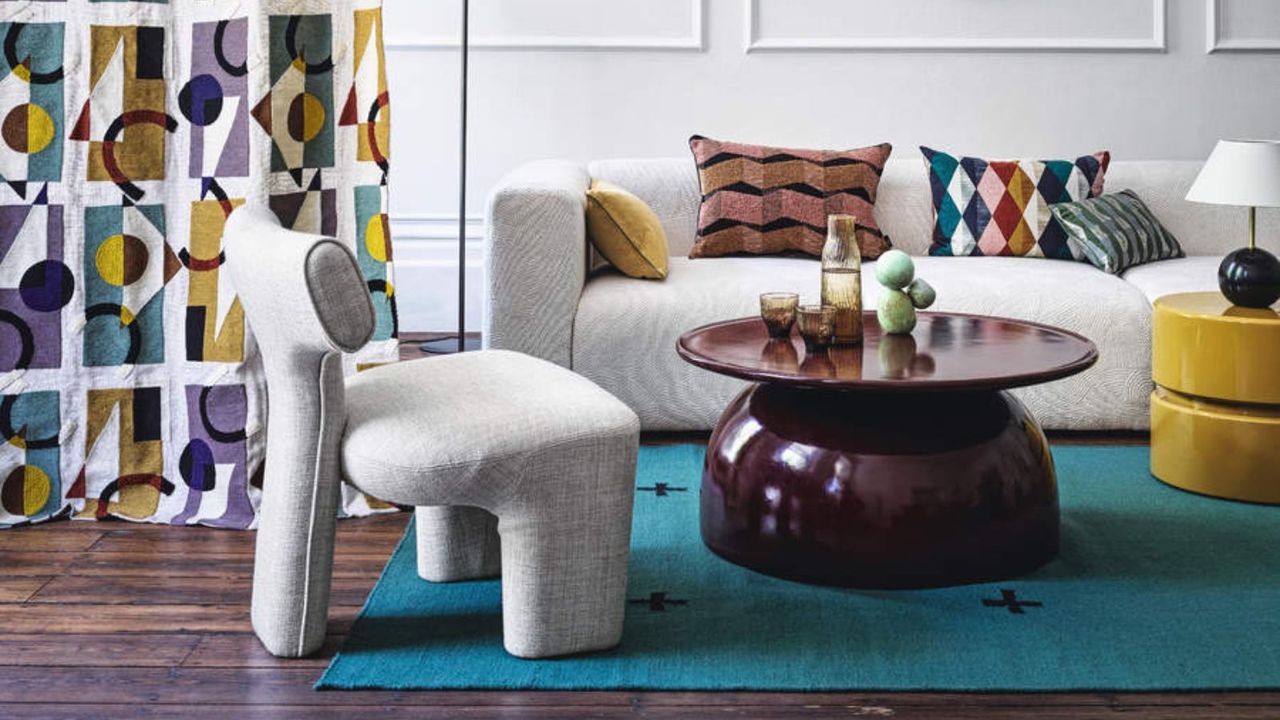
541,298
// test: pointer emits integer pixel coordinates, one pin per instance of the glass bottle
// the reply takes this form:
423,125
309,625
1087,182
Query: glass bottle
842,278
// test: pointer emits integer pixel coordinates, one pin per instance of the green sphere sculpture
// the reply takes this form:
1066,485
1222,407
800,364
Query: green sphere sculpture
903,293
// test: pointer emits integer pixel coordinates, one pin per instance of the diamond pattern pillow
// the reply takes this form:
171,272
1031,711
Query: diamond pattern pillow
1001,207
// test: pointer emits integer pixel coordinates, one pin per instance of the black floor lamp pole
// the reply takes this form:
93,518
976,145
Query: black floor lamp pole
462,184
448,344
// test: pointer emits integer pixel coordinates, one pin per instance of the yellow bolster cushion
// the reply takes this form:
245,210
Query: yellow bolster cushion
626,231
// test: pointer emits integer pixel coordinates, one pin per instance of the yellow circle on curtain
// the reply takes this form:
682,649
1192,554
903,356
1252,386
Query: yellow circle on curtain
35,489
27,128
110,260
39,128
312,116
375,237
121,259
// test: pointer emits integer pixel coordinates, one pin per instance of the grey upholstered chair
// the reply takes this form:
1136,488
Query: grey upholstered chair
515,465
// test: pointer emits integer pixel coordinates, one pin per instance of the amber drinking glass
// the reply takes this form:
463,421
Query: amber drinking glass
778,310
780,354
817,324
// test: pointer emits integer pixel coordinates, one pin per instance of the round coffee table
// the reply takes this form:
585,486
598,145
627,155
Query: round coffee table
898,463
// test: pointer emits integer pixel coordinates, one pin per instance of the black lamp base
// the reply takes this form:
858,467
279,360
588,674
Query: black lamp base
1250,277
449,345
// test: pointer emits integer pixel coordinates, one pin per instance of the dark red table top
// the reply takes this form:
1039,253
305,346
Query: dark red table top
946,351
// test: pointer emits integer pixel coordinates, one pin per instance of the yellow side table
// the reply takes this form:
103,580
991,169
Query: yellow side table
1215,412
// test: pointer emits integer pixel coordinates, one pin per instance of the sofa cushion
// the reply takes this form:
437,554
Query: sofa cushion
626,231
669,186
765,200
625,331
1198,273
904,210
1001,207
1115,232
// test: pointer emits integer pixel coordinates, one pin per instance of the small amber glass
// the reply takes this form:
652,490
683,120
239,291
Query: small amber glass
817,325
778,310
818,363
780,354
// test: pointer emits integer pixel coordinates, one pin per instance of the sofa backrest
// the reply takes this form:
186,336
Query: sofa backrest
669,185
905,212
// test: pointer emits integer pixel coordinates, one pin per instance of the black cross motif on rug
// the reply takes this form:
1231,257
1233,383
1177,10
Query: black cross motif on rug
662,489
657,601
1009,599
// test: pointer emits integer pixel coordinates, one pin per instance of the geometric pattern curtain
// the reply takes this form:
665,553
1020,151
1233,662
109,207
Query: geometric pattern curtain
129,383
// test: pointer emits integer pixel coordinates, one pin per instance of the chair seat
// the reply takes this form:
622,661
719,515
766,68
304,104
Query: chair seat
423,430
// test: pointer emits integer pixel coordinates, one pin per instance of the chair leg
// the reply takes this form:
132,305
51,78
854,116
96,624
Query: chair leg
564,554
293,556
457,543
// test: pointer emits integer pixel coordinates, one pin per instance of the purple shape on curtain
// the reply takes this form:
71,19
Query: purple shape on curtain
216,418
31,309
219,86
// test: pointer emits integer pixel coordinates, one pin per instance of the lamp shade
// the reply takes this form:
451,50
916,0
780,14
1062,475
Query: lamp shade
1240,172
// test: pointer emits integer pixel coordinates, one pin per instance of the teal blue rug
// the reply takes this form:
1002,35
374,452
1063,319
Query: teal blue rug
1156,589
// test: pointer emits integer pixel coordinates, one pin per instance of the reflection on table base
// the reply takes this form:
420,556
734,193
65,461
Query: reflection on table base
877,490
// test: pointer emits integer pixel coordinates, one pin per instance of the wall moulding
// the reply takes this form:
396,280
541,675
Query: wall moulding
433,227
1216,40
1152,38
691,37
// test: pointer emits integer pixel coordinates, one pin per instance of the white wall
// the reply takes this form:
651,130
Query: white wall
583,79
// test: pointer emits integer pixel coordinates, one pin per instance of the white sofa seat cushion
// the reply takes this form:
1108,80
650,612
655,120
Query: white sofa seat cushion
625,330
1188,274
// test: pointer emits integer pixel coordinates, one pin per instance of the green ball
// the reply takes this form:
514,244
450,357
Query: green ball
921,293
894,269
895,312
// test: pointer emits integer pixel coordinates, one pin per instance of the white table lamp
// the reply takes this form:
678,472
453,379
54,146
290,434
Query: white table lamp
1245,173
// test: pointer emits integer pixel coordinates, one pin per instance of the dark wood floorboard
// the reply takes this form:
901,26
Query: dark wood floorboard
116,620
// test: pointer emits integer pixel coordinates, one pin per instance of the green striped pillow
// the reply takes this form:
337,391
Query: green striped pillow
1115,232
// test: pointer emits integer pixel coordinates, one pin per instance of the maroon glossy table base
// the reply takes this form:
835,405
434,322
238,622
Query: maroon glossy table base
880,490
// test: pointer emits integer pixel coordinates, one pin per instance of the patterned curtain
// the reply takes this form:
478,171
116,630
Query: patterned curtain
129,383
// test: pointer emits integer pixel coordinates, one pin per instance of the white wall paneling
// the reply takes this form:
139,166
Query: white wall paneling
956,25
425,243
587,79
439,228
1243,25
425,253
548,24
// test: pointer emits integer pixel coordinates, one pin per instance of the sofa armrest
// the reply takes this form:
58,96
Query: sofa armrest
535,259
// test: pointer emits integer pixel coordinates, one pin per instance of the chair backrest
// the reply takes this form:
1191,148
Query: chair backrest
306,302
301,292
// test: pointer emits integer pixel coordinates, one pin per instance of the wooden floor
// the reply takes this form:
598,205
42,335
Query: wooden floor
111,619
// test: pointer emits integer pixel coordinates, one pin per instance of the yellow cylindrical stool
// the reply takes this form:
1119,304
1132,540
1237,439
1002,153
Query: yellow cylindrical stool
1215,412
